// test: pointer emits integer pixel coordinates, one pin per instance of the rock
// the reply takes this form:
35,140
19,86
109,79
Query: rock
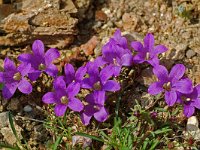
89,47
190,53
14,104
28,108
80,139
192,128
100,15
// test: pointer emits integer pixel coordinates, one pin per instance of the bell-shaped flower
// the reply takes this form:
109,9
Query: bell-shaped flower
170,83
147,52
64,97
14,77
190,101
99,80
94,107
40,61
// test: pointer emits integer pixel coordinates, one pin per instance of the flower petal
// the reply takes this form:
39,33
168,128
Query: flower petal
73,89
137,46
33,75
24,86
51,55
101,115
49,98
24,68
1,77
59,83
197,103
127,60
161,72
170,97
111,85
60,109
188,110
85,118
9,90
120,39
9,65
177,71
52,70
155,88
38,47
80,73
99,97
139,58
75,104
99,61
158,50
87,83
28,58
149,42
69,73
154,61
183,86
106,73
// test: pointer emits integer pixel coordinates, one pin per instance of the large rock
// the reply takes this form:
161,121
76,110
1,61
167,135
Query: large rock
48,20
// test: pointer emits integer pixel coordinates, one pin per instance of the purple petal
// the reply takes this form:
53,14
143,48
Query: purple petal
197,103
85,119
59,83
161,72
154,61
9,90
177,72
49,98
75,104
183,86
149,42
51,55
34,75
9,65
116,70
99,97
158,50
24,69
38,47
24,86
52,70
155,88
80,73
101,115
73,89
1,77
111,85
137,46
69,73
127,60
198,89
87,83
106,73
119,39
139,58
28,58
99,61
60,109
170,97
188,110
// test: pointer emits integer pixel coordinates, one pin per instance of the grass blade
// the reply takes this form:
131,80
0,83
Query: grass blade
57,143
90,136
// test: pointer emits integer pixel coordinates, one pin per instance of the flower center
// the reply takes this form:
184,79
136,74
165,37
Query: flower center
64,100
167,86
42,66
185,99
97,86
96,107
147,56
114,61
17,76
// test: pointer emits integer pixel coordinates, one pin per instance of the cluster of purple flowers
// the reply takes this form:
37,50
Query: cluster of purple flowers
98,77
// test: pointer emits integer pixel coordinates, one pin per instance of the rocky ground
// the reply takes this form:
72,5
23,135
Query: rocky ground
79,28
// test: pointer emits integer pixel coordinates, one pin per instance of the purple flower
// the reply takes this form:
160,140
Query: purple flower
147,53
95,107
170,83
190,101
116,53
64,97
99,80
14,77
71,75
40,61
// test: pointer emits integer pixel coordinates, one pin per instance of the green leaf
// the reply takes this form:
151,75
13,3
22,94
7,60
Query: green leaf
57,143
155,143
1,86
90,136
12,125
9,147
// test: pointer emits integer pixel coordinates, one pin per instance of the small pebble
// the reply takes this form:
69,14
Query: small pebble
28,108
190,53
